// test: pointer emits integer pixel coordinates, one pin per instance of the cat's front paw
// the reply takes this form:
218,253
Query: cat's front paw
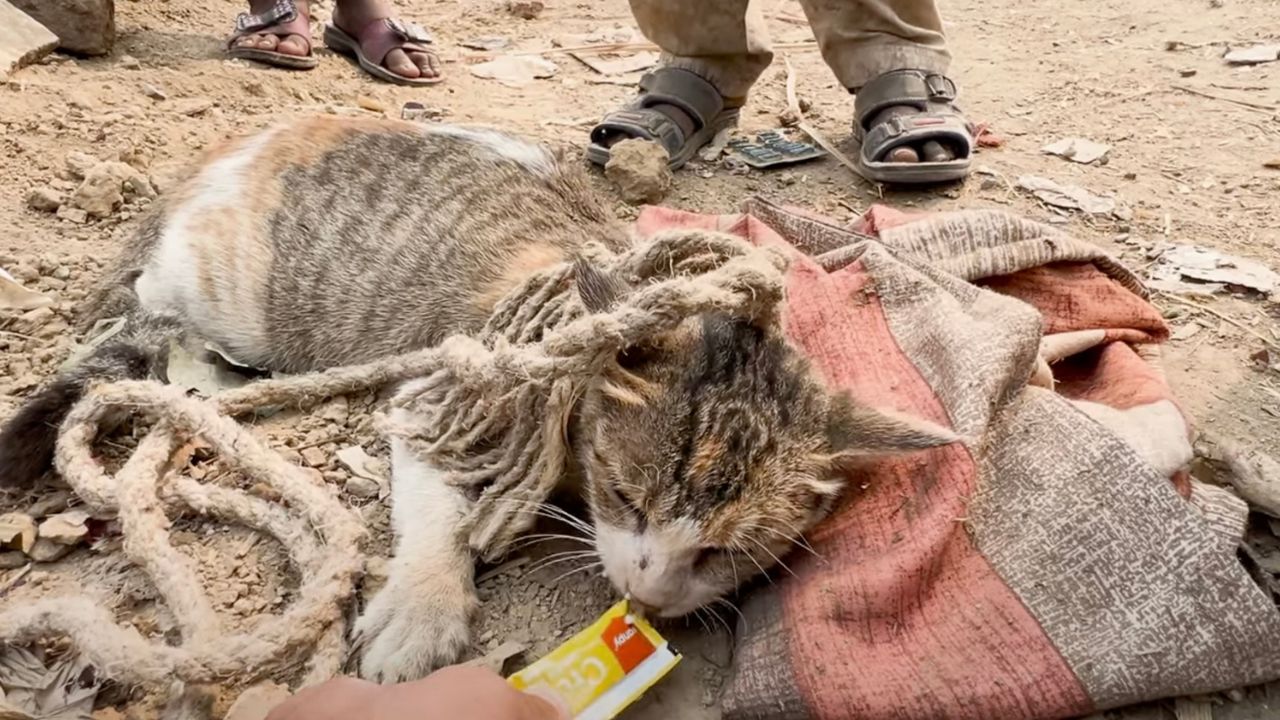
407,634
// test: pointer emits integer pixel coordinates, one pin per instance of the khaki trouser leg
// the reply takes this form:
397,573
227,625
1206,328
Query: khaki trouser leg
724,41
861,39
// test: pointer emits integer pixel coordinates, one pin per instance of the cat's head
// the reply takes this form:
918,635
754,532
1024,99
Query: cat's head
708,452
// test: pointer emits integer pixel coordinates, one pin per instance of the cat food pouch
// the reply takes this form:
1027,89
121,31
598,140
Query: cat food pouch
604,668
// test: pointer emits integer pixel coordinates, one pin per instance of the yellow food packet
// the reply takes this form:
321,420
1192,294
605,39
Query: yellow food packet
604,668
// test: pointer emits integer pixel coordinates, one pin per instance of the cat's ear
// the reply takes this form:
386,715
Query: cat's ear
598,289
857,431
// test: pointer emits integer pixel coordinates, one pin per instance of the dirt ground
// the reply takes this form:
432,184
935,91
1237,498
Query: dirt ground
1189,167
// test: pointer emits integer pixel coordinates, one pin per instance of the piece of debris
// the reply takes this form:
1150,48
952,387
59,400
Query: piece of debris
129,62
85,27
78,164
47,551
1178,263
17,531
205,373
1188,72
714,149
314,457
638,168
23,40
417,112
362,488
1078,150
360,464
1255,55
75,215
44,199
54,502
37,688
13,296
515,70
371,104
495,659
526,9
257,702
617,64
488,43
1069,197
101,192
1272,164
66,528
193,106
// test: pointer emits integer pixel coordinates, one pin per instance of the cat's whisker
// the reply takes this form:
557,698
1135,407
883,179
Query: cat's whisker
776,559
738,547
560,558
719,619
575,571
534,539
697,613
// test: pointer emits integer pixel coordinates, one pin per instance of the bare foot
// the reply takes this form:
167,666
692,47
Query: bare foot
352,16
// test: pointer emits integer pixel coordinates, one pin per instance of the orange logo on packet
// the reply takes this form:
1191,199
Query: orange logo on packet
628,644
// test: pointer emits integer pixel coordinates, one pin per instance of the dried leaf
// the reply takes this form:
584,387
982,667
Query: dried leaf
13,296
1078,150
1070,197
102,331
18,531
63,690
361,464
515,70
488,43
617,64
200,373
1255,55
1177,263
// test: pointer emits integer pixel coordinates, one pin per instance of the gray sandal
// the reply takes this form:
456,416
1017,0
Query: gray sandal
371,45
939,119
686,90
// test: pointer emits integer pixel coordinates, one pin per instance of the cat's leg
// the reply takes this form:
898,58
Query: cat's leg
421,620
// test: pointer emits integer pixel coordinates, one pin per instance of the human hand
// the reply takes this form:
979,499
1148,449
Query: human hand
453,693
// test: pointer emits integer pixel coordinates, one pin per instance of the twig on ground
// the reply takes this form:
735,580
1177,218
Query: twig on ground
1221,316
794,116
13,581
601,48
1224,98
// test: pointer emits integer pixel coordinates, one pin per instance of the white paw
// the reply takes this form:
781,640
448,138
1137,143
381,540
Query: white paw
408,634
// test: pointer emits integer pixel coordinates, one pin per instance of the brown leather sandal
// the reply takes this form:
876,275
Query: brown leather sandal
371,45
282,19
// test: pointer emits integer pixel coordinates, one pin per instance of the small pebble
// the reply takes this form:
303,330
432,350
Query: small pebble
154,92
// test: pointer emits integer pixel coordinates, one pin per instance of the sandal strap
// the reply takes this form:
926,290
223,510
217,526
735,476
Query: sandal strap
951,130
924,90
380,37
282,12
687,90
642,123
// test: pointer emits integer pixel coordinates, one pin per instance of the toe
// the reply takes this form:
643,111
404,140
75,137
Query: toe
427,64
399,63
293,45
268,42
934,151
903,155
247,41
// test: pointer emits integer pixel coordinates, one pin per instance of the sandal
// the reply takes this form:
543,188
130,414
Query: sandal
369,47
938,120
686,90
282,20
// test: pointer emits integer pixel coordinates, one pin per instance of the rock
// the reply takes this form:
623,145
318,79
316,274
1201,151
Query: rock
23,40
33,320
66,528
44,199
154,92
100,193
49,551
79,164
12,560
193,106
371,104
17,532
86,27
138,187
336,410
55,502
129,62
526,9
362,488
639,170
315,457
257,702
75,215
